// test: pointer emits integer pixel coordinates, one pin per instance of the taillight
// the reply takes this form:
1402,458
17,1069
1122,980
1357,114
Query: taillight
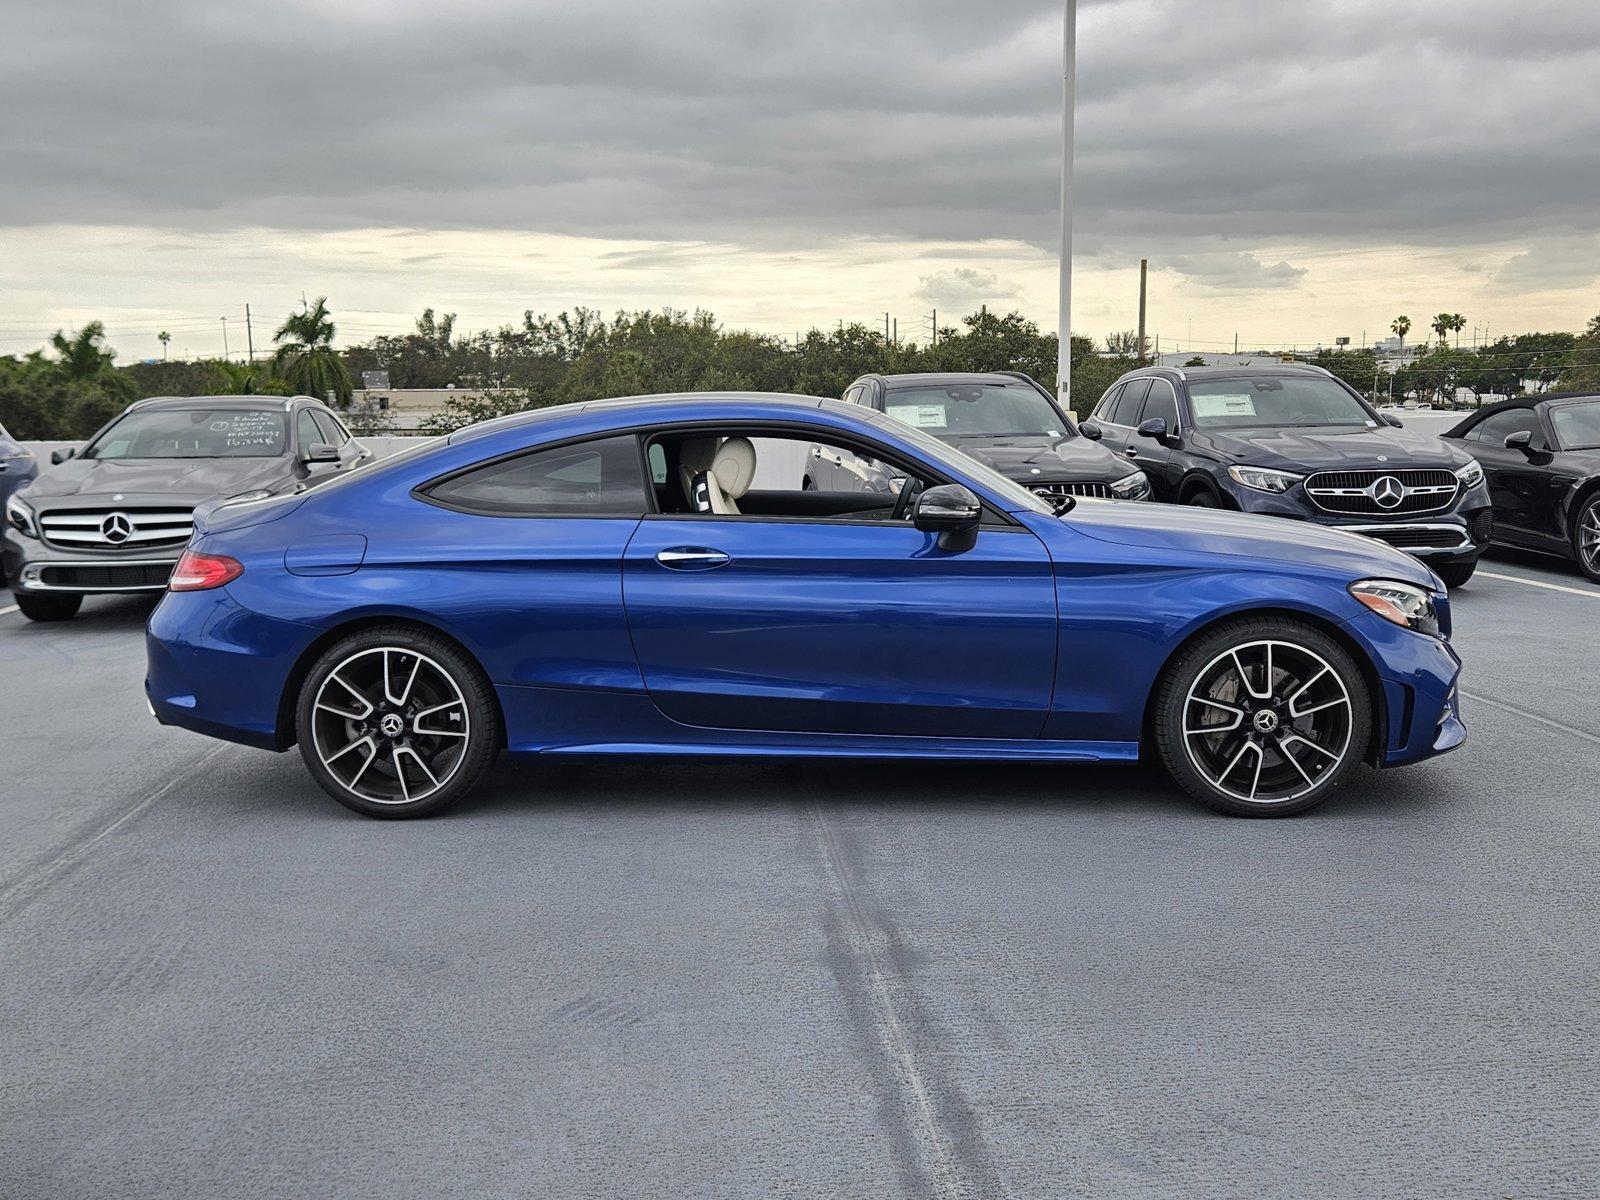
197,572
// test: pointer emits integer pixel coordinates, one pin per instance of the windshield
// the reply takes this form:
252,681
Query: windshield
1016,496
193,433
1274,401
978,410
1577,425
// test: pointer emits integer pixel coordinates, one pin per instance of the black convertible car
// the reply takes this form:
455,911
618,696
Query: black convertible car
1541,455
115,516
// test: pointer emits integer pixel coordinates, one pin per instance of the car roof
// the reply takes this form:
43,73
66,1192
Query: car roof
165,403
777,402
940,378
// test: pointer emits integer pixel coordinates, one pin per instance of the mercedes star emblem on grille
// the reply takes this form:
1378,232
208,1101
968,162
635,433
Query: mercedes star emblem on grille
1388,491
116,528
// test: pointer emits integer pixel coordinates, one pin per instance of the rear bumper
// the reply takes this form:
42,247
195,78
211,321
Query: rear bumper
209,655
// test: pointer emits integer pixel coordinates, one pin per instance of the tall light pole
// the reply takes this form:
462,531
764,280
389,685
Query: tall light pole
225,338
1069,88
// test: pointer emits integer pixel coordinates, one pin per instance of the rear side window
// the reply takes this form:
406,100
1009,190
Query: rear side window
602,478
1129,402
1107,405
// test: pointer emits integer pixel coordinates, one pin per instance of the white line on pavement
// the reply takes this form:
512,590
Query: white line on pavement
8,608
1538,718
1539,583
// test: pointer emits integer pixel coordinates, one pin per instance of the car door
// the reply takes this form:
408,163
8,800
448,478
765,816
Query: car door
1152,456
1117,423
841,626
1515,482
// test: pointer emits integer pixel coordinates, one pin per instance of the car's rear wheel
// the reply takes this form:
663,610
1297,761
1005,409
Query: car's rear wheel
52,606
1456,574
396,722
1586,538
1203,498
1262,716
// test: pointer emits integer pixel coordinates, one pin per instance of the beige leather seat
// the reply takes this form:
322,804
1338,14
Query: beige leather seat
726,467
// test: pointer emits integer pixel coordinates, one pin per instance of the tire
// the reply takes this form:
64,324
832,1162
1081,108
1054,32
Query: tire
52,606
1456,574
1586,538
1335,714
404,757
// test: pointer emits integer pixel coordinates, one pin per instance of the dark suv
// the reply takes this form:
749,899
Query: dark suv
1001,418
115,516
1291,440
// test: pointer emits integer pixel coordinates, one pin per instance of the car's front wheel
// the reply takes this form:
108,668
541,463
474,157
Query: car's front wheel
1456,574
1586,538
1262,716
51,606
396,722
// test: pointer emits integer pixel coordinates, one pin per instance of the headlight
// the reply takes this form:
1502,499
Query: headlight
1470,475
19,515
1131,487
1264,479
1402,603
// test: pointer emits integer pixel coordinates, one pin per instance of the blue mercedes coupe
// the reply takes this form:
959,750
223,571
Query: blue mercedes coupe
653,576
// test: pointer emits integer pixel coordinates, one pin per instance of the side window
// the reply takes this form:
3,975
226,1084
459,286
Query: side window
852,395
1162,402
332,432
1108,404
658,464
306,433
1494,430
602,478
1129,403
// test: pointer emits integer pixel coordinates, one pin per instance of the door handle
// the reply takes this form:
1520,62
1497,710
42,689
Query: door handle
1132,453
691,558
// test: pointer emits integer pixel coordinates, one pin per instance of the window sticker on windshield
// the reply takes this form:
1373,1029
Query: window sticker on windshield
922,416
1239,405
249,429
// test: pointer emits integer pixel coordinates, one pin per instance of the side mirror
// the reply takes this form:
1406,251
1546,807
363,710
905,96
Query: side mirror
321,452
952,512
57,457
1391,420
1155,427
1091,431
1521,440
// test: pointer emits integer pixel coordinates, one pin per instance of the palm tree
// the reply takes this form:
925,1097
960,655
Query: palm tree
305,358
1457,324
1401,326
163,337
81,354
246,379
1442,325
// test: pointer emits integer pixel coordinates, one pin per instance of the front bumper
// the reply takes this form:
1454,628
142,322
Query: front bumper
1459,534
32,565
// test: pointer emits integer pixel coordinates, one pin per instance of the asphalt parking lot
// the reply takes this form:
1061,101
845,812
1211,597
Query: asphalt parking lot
763,979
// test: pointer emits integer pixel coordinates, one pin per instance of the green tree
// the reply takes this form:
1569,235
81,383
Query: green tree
305,358
1443,323
163,337
1582,373
246,379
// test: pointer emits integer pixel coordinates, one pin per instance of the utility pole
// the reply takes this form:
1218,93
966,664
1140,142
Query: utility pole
1069,88
1236,341
886,327
249,336
225,337
1144,271
896,339
936,329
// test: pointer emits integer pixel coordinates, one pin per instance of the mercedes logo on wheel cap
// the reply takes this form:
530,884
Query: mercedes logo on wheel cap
116,528
1388,491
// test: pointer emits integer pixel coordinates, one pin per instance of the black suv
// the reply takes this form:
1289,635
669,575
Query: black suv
1003,419
115,516
1291,440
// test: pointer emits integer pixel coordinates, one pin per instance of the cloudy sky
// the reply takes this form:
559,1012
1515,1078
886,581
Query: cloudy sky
1294,171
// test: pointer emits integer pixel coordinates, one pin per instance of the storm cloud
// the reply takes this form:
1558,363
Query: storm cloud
759,123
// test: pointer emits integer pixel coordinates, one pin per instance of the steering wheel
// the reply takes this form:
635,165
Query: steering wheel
902,503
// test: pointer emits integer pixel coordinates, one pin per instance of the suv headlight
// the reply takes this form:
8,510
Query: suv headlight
1470,475
19,515
1131,487
1264,479
1402,603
